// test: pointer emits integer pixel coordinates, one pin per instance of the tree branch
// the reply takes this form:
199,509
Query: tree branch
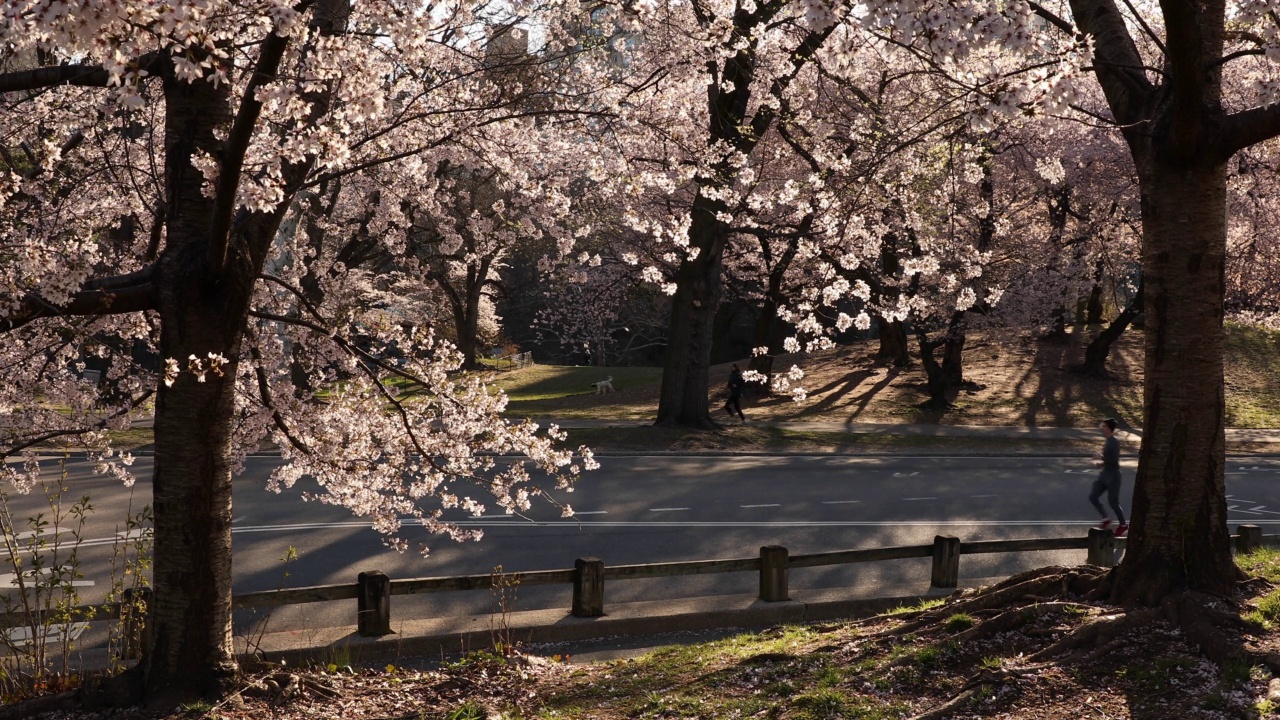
77,75
237,145
116,301
1249,127
1126,89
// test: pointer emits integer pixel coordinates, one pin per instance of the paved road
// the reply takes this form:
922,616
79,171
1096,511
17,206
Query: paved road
652,509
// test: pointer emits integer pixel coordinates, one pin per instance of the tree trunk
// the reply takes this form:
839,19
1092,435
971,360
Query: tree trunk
686,364
953,350
1179,538
190,618
893,343
935,377
1093,307
1096,353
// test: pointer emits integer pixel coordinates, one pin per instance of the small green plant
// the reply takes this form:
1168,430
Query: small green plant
503,587
1264,707
1237,671
130,565
466,711
927,657
921,607
822,704
991,662
959,622
253,640
196,707
42,590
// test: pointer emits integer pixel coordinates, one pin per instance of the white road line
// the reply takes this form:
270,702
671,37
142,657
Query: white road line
9,580
495,517
921,498
576,513
667,509
763,505
984,496
50,633
1238,500
840,502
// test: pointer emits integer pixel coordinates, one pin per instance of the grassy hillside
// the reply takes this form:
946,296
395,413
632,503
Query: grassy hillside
1012,382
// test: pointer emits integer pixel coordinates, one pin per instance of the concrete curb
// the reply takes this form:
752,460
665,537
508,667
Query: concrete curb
447,636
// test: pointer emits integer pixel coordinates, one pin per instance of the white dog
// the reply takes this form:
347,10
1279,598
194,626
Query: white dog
604,386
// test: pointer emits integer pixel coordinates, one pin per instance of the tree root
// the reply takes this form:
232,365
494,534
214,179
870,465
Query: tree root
1012,619
1210,629
985,678
1047,582
1090,635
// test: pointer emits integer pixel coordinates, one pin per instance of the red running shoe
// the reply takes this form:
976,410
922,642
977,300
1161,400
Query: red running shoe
1106,523
1124,528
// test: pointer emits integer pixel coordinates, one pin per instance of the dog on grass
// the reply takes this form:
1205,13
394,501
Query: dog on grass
604,386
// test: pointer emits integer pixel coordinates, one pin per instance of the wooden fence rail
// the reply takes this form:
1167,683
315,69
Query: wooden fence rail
373,590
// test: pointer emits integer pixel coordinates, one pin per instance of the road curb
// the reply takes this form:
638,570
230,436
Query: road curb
449,636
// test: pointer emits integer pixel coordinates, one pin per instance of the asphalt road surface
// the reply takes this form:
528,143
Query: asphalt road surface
640,509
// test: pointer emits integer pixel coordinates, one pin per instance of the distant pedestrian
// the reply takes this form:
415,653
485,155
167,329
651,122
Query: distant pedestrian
1109,479
734,403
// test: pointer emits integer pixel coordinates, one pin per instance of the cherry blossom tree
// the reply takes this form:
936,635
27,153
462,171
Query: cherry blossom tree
163,167
1161,71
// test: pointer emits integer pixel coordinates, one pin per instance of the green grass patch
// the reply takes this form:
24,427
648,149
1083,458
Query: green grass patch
1263,562
959,622
923,605
552,382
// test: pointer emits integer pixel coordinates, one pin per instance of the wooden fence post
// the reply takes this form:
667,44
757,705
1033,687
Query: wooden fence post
135,610
373,604
946,562
1102,548
1249,539
588,587
773,573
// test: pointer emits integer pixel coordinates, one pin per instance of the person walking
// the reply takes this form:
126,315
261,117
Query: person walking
734,403
1109,479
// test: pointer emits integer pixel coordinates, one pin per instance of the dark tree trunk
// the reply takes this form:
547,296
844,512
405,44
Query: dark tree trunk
953,350
1180,537
686,364
893,343
1093,306
936,382
190,618
1099,349
953,358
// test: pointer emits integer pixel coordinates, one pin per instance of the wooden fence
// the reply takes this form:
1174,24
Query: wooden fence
373,590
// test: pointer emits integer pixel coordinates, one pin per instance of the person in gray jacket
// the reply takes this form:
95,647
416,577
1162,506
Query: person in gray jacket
1109,479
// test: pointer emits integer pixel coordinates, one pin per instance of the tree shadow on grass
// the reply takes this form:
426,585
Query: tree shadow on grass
1049,391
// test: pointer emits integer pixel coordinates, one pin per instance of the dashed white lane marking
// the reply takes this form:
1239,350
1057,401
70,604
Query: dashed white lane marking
984,496
763,505
667,509
1238,500
495,517
576,513
1235,508
921,498
910,474
9,580
50,633
840,502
